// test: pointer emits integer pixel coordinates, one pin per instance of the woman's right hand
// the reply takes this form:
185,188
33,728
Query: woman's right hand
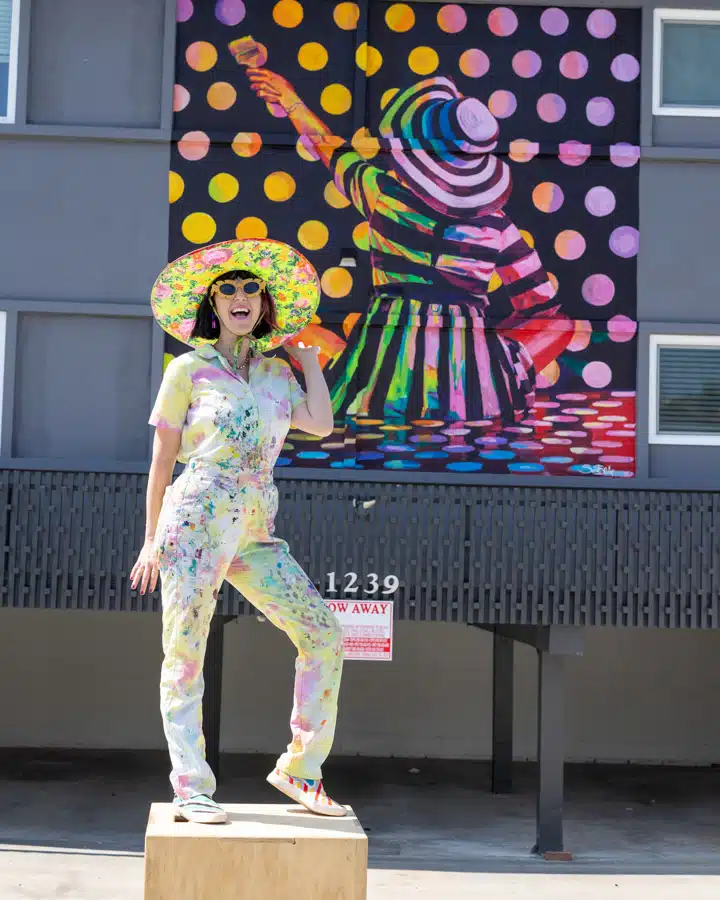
272,88
146,570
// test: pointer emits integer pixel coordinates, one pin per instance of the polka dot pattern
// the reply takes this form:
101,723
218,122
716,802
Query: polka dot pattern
474,63
452,18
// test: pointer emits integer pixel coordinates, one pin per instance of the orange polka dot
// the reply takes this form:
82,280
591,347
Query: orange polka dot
423,60
199,228
346,16
246,143
549,375
223,187
312,56
528,237
336,282
201,56
400,17
288,13
368,58
361,236
495,282
176,187
279,186
251,227
553,281
387,97
313,235
305,149
194,145
334,198
336,99
365,144
349,322
221,95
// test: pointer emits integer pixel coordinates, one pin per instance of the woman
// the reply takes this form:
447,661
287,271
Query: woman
435,342
224,410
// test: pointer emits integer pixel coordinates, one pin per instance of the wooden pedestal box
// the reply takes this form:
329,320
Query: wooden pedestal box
264,852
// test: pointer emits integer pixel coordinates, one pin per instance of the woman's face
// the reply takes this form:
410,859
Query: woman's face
238,303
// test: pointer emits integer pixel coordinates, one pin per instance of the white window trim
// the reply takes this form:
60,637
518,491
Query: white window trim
13,67
675,340
660,16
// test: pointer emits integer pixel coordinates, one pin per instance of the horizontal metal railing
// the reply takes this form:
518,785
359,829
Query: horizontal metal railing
510,555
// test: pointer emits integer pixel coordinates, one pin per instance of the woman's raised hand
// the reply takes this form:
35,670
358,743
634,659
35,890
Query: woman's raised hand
272,88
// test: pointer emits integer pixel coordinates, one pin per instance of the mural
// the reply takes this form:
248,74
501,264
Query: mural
465,180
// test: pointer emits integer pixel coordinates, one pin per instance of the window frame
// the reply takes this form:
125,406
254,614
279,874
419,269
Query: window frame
9,118
682,16
658,341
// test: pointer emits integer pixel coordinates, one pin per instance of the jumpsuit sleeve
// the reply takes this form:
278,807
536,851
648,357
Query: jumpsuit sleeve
173,399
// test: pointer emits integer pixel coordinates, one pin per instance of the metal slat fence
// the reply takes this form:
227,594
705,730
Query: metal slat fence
503,555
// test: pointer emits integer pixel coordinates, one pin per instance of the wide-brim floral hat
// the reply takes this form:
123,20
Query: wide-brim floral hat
291,281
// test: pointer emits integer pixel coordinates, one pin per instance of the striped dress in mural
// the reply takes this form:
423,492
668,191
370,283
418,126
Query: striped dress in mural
429,346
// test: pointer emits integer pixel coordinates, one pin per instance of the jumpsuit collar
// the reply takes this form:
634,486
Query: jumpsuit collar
210,351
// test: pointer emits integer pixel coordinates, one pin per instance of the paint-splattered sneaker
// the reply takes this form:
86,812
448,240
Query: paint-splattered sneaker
310,793
200,809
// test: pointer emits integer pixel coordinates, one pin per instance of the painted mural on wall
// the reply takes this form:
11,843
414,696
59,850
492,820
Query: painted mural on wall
479,164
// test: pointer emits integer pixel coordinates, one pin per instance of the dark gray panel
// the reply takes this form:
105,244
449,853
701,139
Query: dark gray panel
503,556
666,460
96,62
676,265
82,387
94,212
686,131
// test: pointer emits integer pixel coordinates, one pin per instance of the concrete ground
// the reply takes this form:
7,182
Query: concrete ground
73,827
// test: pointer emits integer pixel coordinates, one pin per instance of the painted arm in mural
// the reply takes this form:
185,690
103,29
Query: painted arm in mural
536,322
273,88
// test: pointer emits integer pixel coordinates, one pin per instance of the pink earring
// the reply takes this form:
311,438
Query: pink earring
214,321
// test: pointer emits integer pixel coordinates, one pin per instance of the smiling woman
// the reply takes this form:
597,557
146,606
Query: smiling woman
8,57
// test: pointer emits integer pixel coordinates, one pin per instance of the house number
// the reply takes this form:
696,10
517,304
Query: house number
351,583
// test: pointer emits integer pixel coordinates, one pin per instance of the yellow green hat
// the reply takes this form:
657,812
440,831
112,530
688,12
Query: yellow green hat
291,281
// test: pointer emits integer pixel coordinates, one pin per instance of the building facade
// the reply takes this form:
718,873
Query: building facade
522,343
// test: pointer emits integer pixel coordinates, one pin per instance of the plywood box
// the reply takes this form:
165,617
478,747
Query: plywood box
264,852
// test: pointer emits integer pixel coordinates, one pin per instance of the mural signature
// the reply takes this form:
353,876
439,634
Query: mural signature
596,470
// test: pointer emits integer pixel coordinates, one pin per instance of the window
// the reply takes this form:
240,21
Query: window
684,389
9,15
686,62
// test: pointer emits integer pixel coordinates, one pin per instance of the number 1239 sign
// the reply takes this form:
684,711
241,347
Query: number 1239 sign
367,624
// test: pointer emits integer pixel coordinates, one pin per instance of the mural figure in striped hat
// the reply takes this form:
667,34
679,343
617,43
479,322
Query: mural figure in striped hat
430,346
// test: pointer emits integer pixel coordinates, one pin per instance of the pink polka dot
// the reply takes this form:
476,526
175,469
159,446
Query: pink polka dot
452,18
621,329
551,107
598,290
601,23
570,244
474,63
574,64
600,111
600,201
502,21
181,97
597,374
230,12
194,145
523,150
184,10
502,104
625,67
526,64
580,340
625,241
623,155
554,21
573,153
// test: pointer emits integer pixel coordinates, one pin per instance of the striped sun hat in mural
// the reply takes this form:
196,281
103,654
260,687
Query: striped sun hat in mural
291,281
440,142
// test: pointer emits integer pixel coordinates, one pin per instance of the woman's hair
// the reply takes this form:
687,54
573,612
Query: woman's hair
204,317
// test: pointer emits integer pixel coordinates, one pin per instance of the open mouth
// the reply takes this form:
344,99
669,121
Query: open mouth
240,313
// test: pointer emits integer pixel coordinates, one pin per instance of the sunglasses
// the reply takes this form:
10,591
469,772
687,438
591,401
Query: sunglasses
249,287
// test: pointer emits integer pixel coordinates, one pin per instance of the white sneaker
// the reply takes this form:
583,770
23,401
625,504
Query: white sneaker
306,791
199,809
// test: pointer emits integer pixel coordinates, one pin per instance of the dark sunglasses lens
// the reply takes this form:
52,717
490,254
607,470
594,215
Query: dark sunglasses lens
227,289
252,287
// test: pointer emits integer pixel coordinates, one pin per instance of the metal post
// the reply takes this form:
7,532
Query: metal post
551,755
502,714
212,695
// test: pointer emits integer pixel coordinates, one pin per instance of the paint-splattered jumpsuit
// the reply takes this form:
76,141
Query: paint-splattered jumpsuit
217,522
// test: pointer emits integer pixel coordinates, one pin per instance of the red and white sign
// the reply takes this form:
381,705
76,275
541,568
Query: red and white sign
367,626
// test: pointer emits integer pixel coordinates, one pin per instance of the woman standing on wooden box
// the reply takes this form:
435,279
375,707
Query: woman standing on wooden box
224,410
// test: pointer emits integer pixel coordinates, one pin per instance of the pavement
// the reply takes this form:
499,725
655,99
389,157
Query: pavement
72,826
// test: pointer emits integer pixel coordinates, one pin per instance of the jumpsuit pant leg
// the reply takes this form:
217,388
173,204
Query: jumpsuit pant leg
268,576
195,545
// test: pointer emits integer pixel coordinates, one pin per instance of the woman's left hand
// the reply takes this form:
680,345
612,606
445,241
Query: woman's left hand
302,353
